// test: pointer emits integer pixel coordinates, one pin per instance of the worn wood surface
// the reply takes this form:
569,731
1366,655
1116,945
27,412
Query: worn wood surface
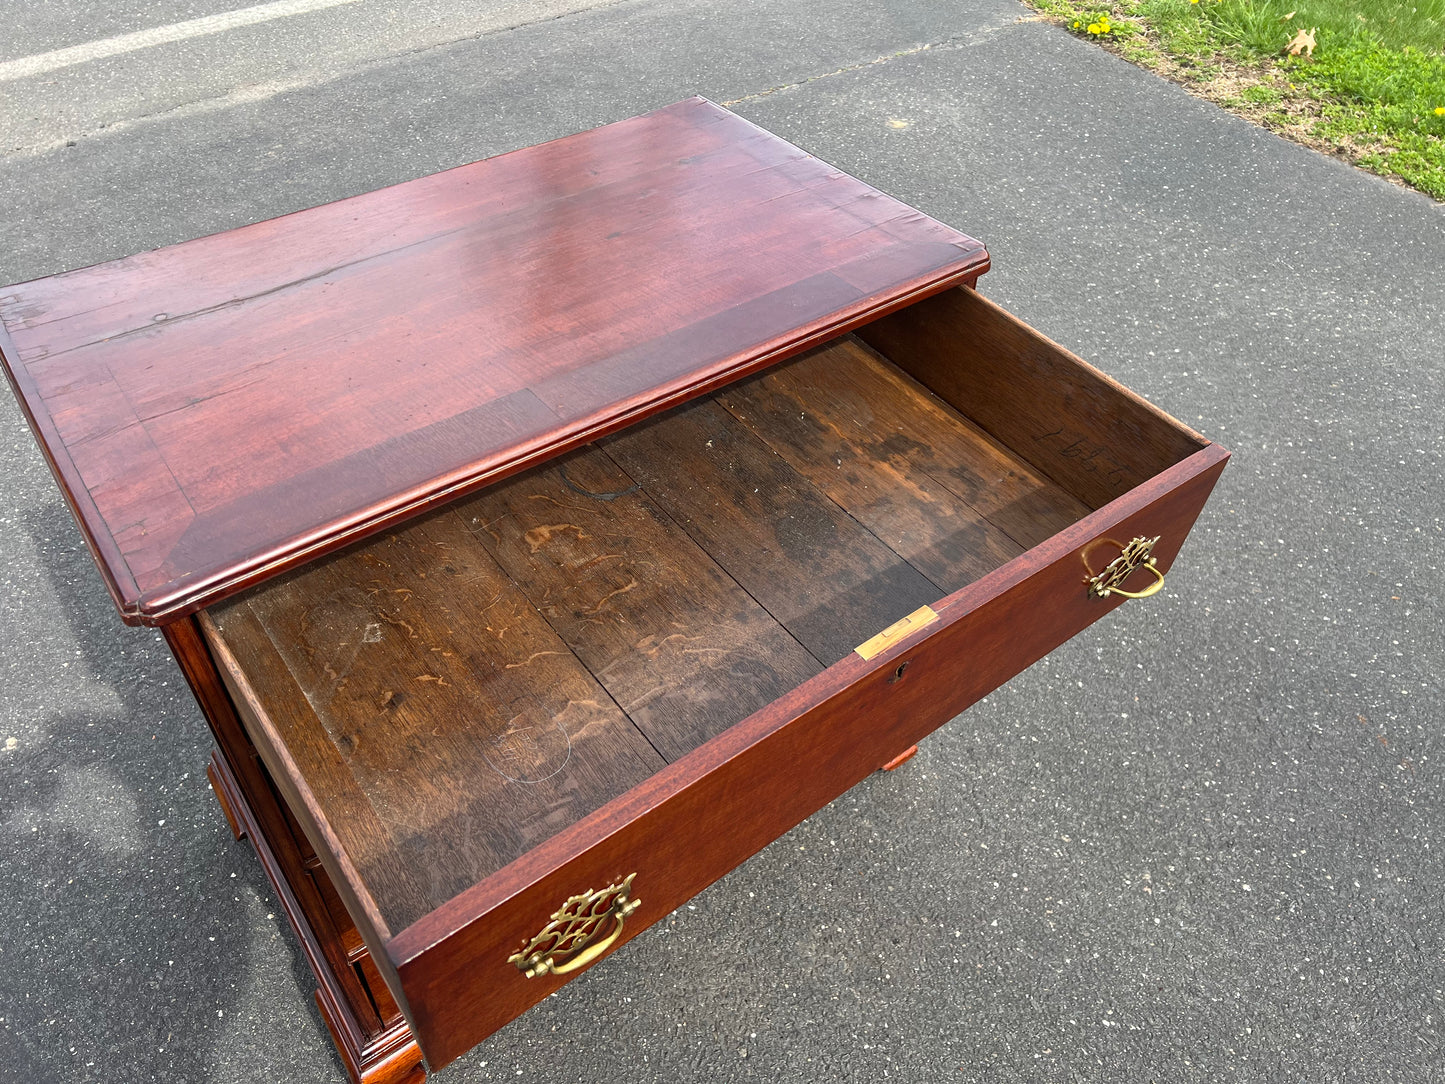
444,698
439,724
828,580
334,812
680,647
1072,423
701,816
925,480
222,409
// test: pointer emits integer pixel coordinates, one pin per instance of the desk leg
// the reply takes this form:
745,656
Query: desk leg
370,1033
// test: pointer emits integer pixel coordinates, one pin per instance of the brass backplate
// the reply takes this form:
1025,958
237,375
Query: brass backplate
1110,579
571,939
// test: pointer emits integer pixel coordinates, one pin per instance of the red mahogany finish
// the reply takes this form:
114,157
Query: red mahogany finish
230,406
583,518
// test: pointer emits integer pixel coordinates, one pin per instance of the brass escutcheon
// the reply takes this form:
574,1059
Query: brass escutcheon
1136,555
565,943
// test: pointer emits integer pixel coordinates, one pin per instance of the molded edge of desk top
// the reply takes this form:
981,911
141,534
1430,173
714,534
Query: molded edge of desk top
224,409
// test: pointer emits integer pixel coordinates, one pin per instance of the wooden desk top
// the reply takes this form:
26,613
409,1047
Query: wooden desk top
226,408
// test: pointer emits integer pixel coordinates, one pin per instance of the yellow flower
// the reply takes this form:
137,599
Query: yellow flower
1076,25
1095,28
1194,1
1104,26
1440,110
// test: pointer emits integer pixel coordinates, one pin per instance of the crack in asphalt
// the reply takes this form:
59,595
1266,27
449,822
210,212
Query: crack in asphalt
249,93
957,41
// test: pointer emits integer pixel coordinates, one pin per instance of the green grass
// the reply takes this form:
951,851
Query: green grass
1370,91
1392,24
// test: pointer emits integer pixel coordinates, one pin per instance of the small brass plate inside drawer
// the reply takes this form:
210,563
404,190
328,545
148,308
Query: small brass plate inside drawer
876,645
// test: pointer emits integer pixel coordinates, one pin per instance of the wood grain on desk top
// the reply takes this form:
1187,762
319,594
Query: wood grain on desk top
226,408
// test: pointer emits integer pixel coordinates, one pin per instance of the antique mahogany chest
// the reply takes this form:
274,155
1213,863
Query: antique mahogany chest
544,537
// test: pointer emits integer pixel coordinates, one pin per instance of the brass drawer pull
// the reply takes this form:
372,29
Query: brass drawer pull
1136,555
565,943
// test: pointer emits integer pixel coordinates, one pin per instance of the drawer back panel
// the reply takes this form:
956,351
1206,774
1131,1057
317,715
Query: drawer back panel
1082,429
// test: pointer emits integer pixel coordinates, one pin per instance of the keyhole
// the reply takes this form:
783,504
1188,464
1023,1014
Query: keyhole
898,674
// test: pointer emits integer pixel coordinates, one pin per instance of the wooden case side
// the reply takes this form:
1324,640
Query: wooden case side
303,805
709,811
1078,426
266,819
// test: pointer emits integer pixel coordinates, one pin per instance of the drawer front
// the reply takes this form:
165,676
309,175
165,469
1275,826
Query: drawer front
670,837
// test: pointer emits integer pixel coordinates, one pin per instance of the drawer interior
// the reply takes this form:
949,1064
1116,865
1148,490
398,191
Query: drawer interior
454,693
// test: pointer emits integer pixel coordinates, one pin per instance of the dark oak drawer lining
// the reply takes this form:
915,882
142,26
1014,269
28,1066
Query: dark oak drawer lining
1073,423
679,646
534,649
1179,492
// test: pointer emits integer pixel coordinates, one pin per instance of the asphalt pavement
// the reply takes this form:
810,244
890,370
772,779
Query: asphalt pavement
1203,841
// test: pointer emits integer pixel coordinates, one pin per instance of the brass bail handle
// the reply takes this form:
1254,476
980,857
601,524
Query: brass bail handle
1153,589
566,943
1138,554
591,952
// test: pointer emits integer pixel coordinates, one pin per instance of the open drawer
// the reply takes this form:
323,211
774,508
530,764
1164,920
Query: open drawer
522,729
